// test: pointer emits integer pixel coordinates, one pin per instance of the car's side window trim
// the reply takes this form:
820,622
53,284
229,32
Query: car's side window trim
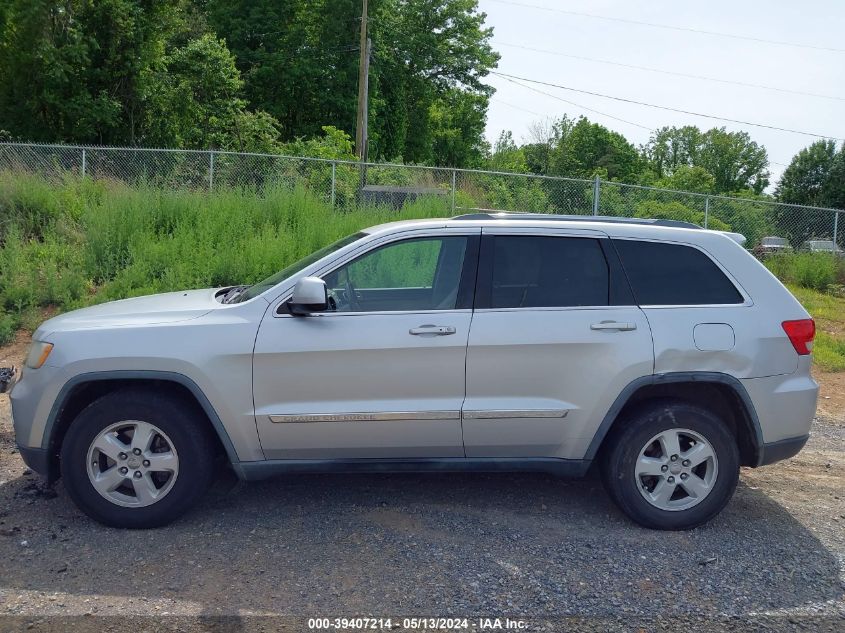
466,286
469,273
621,293
484,278
484,285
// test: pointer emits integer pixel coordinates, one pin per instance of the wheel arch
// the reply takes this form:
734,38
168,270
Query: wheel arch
721,393
82,390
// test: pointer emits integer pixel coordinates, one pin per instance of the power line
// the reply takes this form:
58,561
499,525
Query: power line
660,107
516,107
577,105
670,27
669,72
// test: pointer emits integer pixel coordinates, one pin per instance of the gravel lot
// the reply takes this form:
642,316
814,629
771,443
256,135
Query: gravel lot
555,553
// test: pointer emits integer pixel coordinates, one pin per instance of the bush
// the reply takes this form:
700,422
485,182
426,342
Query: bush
820,271
8,327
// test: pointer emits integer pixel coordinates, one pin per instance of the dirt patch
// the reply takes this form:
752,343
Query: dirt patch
831,395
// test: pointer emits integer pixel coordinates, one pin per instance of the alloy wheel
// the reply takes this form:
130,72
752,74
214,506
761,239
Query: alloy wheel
676,469
132,463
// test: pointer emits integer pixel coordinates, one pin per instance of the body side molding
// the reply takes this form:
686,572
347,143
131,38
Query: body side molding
498,414
378,416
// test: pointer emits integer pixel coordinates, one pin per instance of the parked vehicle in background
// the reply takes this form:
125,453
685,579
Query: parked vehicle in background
821,246
772,244
663,352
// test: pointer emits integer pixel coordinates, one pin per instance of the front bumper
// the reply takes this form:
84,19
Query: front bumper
38,459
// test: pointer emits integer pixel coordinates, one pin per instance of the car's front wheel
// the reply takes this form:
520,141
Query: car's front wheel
135,458
672,466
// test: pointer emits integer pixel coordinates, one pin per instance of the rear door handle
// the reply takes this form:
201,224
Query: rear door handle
432,330
614,326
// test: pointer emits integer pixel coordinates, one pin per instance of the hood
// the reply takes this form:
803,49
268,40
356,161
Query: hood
170,307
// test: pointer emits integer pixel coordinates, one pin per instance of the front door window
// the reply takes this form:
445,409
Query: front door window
412,275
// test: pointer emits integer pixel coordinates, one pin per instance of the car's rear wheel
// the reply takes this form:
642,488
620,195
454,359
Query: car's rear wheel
671,466
135,458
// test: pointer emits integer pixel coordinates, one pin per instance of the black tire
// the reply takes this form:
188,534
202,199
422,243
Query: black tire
632,434
185,427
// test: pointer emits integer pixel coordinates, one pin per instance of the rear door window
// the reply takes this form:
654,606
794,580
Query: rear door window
530,271
674,274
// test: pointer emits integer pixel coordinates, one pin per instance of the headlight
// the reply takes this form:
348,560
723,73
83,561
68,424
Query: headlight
38,353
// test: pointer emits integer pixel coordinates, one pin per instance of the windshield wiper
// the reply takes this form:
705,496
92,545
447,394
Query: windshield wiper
233,294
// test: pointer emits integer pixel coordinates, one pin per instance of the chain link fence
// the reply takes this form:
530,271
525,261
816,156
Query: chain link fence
347,184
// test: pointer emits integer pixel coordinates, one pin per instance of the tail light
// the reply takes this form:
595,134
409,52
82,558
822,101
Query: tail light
801,334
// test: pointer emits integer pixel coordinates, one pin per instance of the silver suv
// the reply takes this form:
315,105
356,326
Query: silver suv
663,353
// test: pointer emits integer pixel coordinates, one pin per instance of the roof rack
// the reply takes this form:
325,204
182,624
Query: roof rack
497,215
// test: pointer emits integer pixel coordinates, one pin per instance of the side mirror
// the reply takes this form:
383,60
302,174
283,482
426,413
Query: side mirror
309,295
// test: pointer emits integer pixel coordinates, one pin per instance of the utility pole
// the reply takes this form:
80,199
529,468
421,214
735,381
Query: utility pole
363,89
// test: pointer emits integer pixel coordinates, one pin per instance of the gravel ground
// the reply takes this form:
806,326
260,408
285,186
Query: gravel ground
556,554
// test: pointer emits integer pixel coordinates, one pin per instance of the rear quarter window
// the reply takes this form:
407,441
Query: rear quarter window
674,274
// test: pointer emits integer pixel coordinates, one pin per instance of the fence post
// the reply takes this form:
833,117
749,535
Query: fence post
84,157
706,211
835,229
454,179
211,170
334,180
596,194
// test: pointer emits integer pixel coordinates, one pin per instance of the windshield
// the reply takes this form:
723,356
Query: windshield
264,286
774,241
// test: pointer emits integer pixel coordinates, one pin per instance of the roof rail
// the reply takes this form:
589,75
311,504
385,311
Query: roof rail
497,215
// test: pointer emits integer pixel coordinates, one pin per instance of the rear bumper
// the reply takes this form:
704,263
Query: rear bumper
785,406
782,449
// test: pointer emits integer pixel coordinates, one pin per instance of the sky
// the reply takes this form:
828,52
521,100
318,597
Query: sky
518,26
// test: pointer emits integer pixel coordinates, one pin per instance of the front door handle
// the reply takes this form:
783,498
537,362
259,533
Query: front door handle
432,330
614,326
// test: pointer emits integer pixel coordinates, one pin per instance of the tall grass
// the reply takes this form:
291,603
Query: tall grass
824,272
76,242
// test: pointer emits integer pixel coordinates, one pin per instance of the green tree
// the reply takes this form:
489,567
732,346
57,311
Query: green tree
672,147
588,149
457,121
686,178
815,177
804,180
736,162
833,190
299,61
334,143
194,101
69,70
544,136
507,155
